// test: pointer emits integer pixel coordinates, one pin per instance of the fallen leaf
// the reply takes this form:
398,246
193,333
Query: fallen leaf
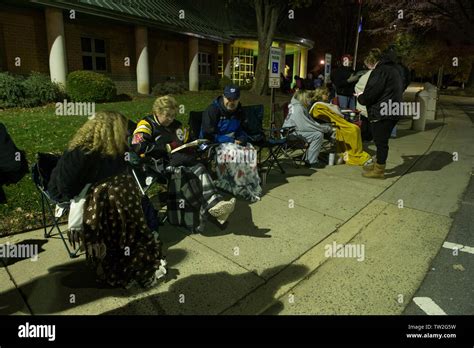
459,267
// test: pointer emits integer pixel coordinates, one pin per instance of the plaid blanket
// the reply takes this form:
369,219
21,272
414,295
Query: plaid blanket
191,193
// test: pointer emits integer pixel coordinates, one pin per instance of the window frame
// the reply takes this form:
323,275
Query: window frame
95,54
205,65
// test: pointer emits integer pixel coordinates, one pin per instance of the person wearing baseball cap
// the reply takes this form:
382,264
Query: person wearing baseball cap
223,120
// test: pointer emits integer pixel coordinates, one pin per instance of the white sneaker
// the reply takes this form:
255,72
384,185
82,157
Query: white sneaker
161,271
222,210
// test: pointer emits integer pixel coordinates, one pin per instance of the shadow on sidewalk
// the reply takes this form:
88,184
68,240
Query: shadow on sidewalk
433,161
429,126
202,292
239,223
28,244
51,293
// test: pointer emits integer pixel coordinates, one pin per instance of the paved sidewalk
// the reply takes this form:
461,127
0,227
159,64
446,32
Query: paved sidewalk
271,256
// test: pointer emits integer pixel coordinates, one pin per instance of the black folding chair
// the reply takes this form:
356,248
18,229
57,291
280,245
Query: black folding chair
294,142
278,141
205,153
257,137
41,173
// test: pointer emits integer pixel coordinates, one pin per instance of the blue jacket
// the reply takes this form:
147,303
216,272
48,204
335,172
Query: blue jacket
221,125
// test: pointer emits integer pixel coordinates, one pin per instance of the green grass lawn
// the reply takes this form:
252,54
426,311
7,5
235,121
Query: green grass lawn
40,130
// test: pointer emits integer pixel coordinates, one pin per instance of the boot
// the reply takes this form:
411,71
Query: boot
369,167
376,173
370,164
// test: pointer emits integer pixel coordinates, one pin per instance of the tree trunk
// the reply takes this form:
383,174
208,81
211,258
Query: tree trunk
260,85
267,13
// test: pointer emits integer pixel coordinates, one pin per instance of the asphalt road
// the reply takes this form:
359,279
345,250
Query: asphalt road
449,285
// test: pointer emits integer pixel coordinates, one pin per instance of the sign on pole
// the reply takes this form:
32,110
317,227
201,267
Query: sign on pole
327,67
274,67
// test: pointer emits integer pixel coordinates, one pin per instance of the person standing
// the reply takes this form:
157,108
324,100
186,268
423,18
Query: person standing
344,79
384,85
372,58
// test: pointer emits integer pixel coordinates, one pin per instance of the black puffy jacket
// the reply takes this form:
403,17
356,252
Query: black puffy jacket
385,85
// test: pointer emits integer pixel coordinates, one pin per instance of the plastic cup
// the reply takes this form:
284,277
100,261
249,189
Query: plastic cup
332,157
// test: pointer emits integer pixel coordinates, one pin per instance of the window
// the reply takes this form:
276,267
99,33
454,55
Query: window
205,63
94,56
242,65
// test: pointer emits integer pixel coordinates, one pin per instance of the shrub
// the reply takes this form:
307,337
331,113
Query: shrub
210,85
169,87
224,81
89,86
39,90
123,97
11,90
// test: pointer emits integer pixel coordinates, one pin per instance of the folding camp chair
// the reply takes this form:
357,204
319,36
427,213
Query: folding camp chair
277,140
41,173
294,142
257,137
146,171
206,152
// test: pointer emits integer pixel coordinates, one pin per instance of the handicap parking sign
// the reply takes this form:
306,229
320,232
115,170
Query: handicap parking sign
275,67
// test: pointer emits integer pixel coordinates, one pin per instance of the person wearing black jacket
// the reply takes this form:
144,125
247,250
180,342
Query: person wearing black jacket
113,216
384,87
13,163
87,161
157,134
344,79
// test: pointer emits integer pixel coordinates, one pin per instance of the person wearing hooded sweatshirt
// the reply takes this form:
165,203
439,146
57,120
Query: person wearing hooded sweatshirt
299,117
385,85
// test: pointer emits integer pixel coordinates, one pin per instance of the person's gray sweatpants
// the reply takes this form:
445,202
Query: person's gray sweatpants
315,140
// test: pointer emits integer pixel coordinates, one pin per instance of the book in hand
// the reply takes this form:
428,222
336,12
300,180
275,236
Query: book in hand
194,143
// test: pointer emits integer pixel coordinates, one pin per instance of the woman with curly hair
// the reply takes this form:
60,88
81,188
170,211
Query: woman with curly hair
115,235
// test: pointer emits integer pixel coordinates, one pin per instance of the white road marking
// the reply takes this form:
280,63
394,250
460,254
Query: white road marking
460,247
428,306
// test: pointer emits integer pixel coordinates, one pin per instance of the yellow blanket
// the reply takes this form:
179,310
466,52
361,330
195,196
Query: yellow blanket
348,136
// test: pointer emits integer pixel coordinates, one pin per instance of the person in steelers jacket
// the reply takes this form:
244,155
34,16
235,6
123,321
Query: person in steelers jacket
157,134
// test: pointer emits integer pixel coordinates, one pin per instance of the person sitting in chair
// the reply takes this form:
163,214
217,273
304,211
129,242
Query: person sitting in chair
158,134
306,126
224,122
115,236
348,135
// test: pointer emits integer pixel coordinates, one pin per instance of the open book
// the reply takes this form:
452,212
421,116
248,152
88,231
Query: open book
194,143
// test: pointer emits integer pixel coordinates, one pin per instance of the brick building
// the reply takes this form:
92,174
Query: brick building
136,43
